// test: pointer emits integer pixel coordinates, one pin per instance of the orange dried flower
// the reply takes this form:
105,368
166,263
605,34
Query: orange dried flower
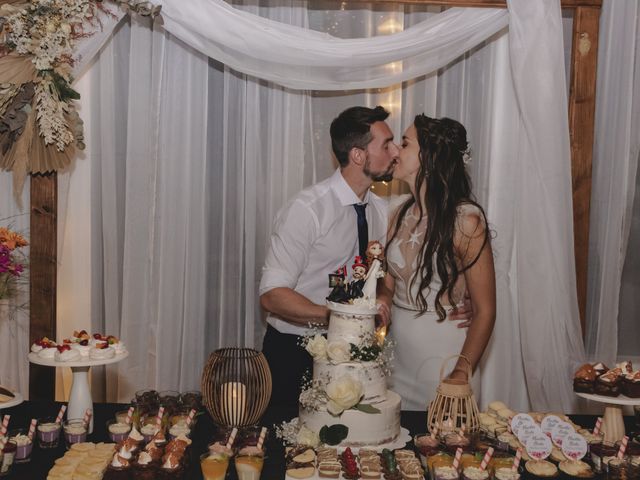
11,239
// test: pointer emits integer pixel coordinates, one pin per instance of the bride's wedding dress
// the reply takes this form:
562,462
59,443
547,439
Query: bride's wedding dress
421,342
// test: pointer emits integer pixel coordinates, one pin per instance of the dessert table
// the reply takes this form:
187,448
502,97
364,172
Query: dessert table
42,460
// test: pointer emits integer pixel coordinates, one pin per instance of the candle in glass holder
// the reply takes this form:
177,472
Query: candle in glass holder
234,396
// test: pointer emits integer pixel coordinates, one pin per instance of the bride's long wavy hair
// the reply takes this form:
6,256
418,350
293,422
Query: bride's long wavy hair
444,185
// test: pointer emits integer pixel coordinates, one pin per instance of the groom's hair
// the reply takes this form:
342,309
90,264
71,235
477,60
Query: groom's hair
351,129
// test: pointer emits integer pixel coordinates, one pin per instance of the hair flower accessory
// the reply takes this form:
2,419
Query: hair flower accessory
466,157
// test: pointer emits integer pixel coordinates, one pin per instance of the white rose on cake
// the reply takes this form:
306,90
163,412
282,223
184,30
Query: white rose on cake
307,436
339,351
343,393
317,347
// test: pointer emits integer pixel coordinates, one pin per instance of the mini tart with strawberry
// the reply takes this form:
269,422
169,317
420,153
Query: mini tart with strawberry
97,340
116,344
41,344
82,346
78,336
64,353
101,351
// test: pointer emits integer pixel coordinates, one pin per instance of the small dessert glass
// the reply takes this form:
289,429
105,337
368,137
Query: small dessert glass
48,432
192,399
445,472
121,416
75,431
118,431
147,400
214,467
8,455
24,445
149,426
622,470
170,400
506,473
249,467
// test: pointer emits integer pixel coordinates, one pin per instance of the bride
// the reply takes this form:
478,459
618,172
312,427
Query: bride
438,250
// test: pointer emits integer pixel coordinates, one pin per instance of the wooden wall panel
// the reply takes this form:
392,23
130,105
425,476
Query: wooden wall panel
43,263
582,107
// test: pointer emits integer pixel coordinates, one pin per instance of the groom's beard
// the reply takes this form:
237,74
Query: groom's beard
385,176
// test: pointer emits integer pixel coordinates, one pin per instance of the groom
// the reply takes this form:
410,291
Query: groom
315,234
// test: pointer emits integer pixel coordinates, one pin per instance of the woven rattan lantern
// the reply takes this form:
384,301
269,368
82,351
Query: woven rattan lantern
454,405
236,386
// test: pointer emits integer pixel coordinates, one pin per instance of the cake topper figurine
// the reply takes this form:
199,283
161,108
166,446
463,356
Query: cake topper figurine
364,278
375,257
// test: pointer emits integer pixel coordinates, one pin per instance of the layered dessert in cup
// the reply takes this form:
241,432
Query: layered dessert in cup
249,462
75,431
118,431
600,454
147,401
170,400
149,427
192,400
24,445
506,473
622,469
445,472
427,446
48,431
453,441
474,472
214,464
8,455
438,459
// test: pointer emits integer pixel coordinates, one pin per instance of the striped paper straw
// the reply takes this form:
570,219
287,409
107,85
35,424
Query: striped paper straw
5,425
623,447
3,442
596,429
486,459
456,460
129,416
434,432
516,461
87,416
32,428
232,437
63,409
159,417
192,413
263,434
462,429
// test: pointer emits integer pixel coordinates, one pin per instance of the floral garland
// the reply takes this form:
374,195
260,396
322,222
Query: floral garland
40,128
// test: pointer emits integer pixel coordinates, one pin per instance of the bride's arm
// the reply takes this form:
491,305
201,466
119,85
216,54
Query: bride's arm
480,278
384,296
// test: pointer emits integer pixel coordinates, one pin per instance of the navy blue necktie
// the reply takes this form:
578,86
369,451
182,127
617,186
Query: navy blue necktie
363,230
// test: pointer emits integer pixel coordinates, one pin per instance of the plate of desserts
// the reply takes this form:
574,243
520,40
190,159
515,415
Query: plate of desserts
79,350
619,385
9,398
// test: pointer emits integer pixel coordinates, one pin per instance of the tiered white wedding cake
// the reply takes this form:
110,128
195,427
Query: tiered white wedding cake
348,396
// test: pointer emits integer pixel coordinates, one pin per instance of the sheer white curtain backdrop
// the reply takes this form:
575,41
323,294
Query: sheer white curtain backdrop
195,159
612,305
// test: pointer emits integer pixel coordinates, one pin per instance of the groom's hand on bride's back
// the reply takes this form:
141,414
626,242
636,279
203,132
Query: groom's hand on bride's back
383,318
462,313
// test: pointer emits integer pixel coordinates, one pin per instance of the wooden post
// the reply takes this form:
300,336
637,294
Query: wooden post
582,107
43,262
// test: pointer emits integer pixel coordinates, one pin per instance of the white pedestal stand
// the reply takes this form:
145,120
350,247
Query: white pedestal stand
80,397
17,400
612,421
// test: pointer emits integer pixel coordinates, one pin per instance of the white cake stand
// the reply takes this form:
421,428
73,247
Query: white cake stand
80,397
612,421
17,400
